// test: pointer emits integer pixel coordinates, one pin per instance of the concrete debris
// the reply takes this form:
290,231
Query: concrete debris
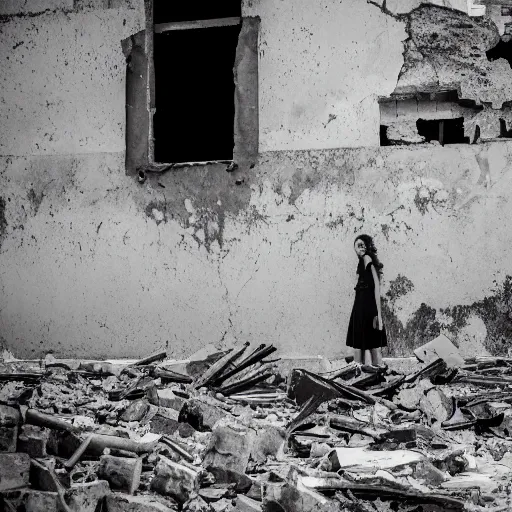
440,348
228,434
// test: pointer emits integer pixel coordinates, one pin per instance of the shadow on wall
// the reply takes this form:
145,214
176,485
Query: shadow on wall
427,323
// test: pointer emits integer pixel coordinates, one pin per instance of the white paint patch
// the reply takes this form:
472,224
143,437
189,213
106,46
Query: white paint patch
158,215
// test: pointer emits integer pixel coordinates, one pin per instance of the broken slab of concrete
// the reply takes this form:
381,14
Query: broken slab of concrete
201,415
117,502
269,440
366,461
230,448
440,347
87,496
33,440
10,419
167,398
175,480
14,470
296,498
245,504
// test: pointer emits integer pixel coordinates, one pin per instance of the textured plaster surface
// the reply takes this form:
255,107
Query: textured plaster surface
322,66
94,264
63,81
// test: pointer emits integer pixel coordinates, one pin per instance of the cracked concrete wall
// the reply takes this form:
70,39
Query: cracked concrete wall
95,265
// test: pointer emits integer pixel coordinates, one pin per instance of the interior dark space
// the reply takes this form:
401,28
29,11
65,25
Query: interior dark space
194,93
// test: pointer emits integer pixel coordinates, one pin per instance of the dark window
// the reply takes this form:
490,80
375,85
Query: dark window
165,11
446,131
192,86
194,94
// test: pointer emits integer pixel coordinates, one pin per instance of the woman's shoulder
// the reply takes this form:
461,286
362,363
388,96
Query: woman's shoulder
367,260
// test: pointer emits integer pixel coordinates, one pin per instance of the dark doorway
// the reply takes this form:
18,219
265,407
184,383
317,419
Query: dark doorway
446,131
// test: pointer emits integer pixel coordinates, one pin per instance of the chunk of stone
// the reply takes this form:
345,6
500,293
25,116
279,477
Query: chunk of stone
175,480
410,397
359,460
123,503
197,504
14,470
436,406
290,498
162,424
228,455
41,475
122,473
268,441
135,411
440,347
167,398
39,501
9,421
63,444
33,440
201,415
245,504
86,497
426,473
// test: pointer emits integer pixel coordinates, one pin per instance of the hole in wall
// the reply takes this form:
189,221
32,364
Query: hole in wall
503,50
425,117
446,131
504,132
384,141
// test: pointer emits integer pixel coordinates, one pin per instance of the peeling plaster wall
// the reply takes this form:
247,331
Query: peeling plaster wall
92,264
322,67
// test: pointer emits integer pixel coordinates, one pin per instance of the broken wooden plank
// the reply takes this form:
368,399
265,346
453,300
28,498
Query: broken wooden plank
253,358
218,367
353,426
245,384
433,368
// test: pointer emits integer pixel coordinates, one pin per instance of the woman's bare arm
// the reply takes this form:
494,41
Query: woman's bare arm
377,293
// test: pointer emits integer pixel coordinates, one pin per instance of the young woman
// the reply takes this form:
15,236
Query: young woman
366,331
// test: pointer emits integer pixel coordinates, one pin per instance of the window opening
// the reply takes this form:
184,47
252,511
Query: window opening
446,131
425,117
194,55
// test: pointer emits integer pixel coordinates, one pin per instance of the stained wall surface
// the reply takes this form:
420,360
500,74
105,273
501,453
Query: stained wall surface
94,264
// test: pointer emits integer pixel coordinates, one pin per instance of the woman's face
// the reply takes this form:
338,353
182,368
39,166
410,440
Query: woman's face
360,248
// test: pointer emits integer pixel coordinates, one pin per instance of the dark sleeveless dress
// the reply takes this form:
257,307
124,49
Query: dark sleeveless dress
361,334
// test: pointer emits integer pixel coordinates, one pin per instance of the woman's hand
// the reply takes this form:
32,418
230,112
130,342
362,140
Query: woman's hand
380,325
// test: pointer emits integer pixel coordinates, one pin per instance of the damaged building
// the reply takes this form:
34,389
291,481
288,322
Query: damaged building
182,177
181,190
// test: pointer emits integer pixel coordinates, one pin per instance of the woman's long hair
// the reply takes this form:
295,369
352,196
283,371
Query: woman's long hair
371,250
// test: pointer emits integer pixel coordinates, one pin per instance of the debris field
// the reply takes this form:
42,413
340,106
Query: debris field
228,432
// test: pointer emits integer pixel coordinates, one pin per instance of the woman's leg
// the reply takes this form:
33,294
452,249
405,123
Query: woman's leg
358,356
368,358
376,354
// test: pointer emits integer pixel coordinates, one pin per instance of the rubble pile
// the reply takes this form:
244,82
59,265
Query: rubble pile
226,432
